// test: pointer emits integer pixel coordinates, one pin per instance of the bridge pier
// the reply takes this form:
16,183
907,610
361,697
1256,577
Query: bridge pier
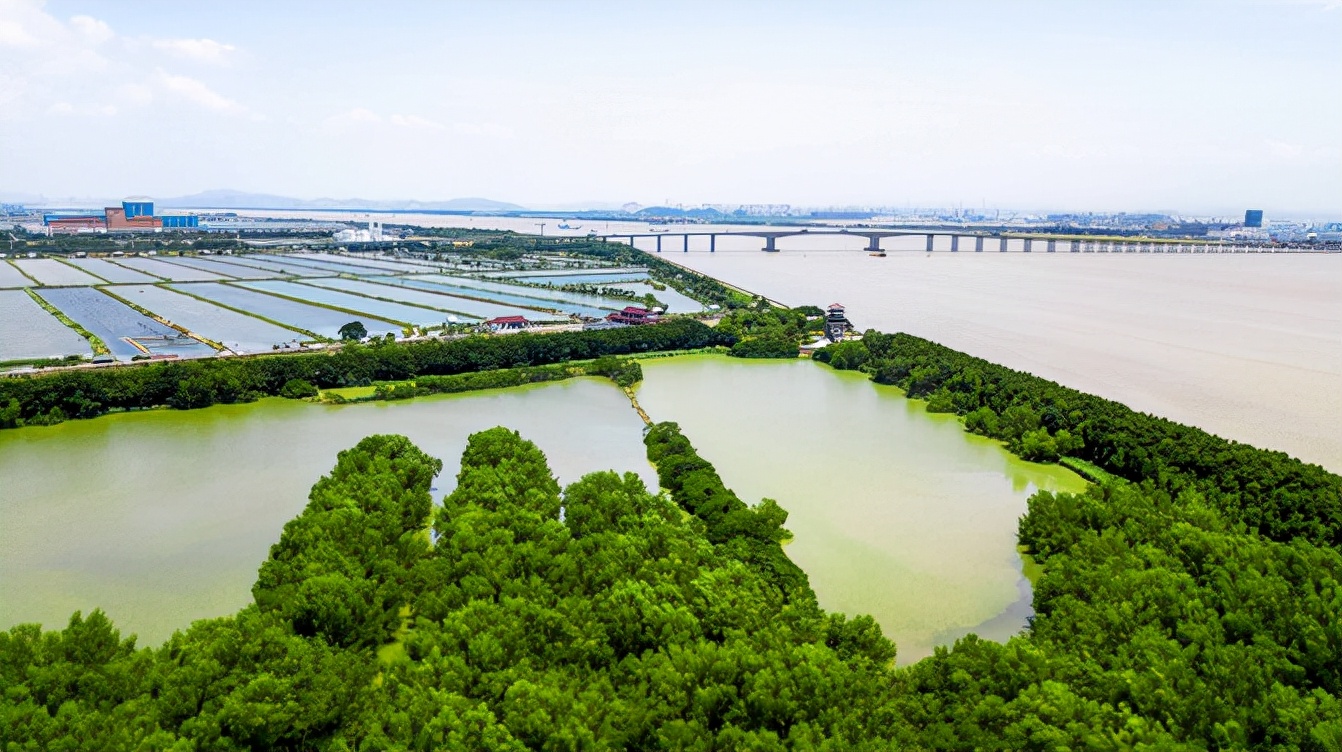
1028,243
978,244
1078,246
659,243
955,243
1002,245
685,245
874,244
712,243
929,242
1052,246
770,245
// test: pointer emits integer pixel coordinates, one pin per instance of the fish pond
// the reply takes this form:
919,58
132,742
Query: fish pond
111,272
323,321
169,270
504,304
238,332
395,312
53,272
10,276
277,266
28,332
236,271
125,331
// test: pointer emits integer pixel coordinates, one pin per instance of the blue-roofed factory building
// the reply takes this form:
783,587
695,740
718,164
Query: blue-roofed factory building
138,206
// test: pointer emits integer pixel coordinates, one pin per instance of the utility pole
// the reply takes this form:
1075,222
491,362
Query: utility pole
542,226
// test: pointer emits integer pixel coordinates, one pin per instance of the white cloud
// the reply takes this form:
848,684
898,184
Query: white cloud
491,130
139,94
415,121
200,50
13,34
81,66
1283,149
92,29
364,115
194,90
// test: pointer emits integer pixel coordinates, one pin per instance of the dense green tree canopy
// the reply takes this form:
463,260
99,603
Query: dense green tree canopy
353,331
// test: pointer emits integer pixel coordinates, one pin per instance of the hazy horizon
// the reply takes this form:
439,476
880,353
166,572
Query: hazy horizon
1188,107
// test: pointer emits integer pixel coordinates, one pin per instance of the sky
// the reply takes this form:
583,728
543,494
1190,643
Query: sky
1189,107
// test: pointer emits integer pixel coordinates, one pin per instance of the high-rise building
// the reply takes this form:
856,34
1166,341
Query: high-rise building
1253,218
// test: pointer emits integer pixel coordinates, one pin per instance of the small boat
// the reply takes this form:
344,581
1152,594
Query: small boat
659,229
567,226
877,254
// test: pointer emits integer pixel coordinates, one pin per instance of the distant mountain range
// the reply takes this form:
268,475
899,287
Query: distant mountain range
227,199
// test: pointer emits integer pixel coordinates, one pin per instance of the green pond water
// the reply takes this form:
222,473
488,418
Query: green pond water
895,512
162,517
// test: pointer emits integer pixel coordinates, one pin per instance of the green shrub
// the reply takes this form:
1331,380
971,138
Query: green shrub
298,389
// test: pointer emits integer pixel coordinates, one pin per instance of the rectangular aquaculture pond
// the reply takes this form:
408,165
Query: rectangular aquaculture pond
276,265
394,312
312,318
236,331
170,271
110,271
374,265
525,304
28,332
330,267
53,272
426,295
575,302
127,332
10,276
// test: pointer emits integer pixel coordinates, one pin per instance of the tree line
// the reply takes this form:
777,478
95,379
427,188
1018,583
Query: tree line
47,398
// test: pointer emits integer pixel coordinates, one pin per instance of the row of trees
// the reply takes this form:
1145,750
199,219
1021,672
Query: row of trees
753,535
625,372
86,393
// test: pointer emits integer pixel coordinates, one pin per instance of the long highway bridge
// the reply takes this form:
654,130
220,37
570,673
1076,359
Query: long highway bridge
977,242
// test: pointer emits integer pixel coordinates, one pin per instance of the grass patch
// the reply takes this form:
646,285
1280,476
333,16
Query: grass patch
1090,471
349,393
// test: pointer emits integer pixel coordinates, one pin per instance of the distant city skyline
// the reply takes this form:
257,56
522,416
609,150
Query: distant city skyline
1196,108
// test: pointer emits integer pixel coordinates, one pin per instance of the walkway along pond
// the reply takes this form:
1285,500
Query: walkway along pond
161,517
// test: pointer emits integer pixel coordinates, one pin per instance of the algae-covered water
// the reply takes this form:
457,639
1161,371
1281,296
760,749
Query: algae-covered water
896,512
